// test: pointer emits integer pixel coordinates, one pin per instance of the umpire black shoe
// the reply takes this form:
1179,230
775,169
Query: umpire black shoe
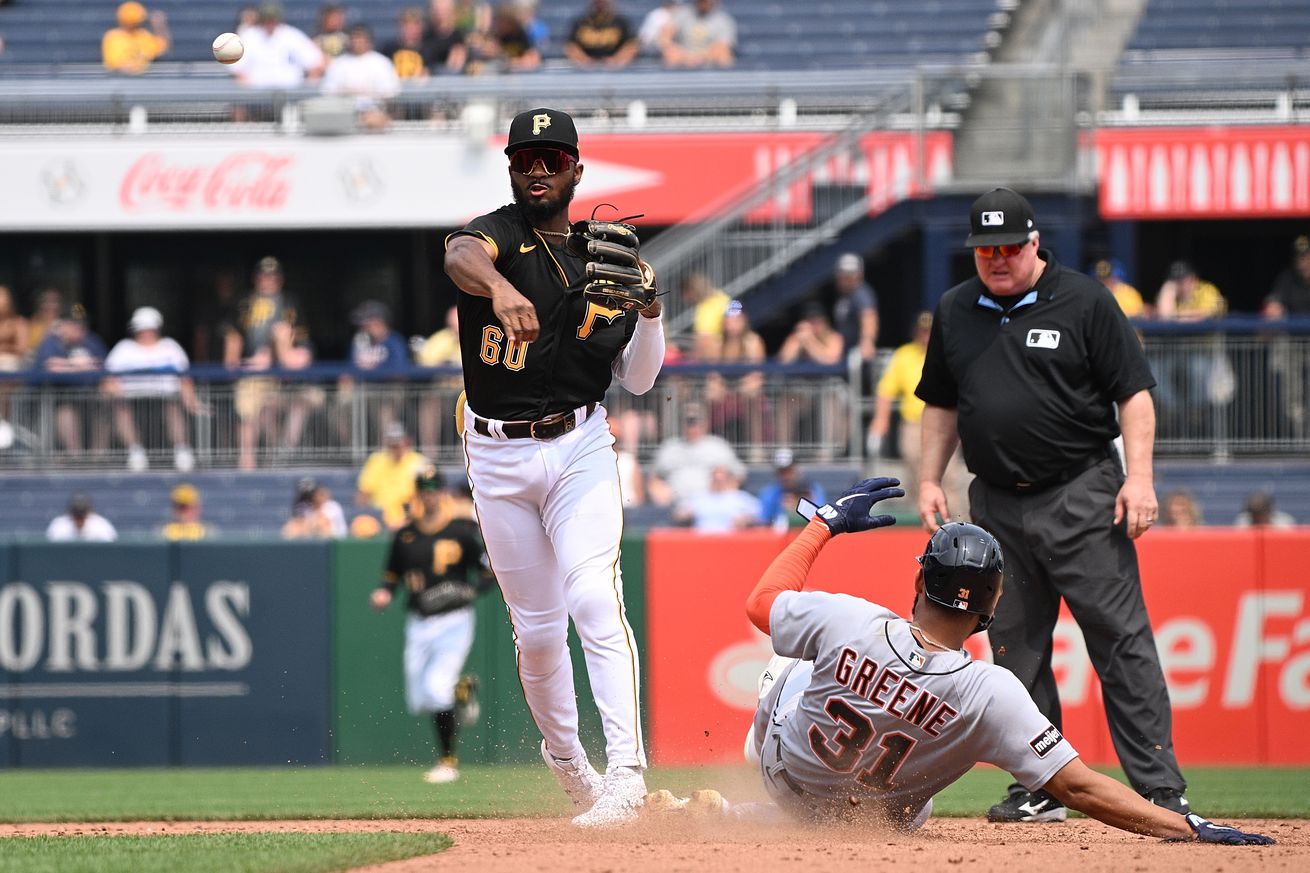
1170,798
1034,806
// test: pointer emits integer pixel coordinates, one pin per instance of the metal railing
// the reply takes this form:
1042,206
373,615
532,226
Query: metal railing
1244,391
336,416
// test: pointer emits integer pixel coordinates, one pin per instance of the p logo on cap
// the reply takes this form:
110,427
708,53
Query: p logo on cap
540,123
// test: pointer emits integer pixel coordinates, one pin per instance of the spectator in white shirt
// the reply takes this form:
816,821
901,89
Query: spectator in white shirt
366,75
277,54
148,349
724,508
80,524
651,32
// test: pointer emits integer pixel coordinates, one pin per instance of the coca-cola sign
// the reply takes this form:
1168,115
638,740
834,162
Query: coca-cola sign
242,182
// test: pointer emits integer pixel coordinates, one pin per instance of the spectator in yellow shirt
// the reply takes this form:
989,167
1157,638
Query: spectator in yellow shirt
896,386
1185,297
710,305
387,480
130,47
186,523
1111,274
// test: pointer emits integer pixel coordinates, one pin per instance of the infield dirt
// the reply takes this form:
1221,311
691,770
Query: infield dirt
552,844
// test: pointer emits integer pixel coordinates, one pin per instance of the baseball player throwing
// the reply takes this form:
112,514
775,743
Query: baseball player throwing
866,713
440,561
550,313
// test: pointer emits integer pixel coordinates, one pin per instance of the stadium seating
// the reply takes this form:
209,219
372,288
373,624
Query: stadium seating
256,504
1202,53
832,34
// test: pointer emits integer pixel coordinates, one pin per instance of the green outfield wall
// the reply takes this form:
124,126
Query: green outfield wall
370,723
231,652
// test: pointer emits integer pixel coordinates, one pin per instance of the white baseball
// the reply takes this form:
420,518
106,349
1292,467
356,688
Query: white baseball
228,48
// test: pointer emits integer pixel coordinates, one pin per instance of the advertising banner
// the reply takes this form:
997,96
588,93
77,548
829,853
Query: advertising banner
1203,172
418,180
164,654
1230,611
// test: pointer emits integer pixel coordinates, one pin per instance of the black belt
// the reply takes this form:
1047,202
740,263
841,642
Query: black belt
1073,471
542,429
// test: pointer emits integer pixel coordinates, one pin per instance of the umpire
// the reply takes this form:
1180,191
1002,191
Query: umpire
1025,367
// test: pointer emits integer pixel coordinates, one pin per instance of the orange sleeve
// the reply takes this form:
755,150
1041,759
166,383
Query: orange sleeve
787,572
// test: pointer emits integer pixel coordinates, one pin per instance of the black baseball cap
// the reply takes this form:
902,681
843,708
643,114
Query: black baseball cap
543,127
429,479
1000,217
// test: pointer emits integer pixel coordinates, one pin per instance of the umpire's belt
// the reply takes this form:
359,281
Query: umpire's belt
1070,472
542,429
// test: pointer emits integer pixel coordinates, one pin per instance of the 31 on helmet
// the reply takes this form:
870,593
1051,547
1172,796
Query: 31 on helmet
962,569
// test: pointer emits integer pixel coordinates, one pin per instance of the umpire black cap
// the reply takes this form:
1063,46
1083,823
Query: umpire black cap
1000,217
962,569
543,127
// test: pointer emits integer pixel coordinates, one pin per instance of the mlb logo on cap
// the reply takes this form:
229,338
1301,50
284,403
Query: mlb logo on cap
1000,217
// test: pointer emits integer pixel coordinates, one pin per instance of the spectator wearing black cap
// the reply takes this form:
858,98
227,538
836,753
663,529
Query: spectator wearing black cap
71,347
267,335
1290,295
1033,370
80,523
1290,370
314,514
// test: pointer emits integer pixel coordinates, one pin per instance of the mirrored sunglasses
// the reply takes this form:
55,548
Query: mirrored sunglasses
552,161
1008,251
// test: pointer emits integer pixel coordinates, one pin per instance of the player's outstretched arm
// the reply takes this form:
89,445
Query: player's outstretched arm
1102,798
470,264
849,513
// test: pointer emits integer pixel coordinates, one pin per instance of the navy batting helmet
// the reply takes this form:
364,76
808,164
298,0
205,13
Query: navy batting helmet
962,569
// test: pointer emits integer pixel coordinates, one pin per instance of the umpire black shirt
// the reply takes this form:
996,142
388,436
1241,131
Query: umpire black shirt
569,364
1034,387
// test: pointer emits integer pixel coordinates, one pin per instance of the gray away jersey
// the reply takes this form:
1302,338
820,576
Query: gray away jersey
883,718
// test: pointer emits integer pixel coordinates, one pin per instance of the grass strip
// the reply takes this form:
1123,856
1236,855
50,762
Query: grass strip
212,853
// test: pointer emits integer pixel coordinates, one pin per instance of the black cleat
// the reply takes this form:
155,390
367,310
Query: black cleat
1034,806
1170,798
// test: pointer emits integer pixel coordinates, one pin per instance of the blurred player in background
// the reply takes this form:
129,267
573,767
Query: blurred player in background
440,560
865,716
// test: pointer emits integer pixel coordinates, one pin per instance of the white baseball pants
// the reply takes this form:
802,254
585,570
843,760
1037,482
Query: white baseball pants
551,514
436,648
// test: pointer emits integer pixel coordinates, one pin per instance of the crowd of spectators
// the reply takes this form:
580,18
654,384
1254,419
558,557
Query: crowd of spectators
468,37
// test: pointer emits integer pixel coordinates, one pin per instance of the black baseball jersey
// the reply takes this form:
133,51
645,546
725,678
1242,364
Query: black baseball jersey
568,365
441,571
1034,386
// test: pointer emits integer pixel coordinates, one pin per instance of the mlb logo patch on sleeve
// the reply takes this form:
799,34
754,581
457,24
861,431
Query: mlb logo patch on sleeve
1040,338
1045,741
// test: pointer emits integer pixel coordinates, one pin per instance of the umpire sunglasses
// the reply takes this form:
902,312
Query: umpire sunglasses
552,161
1007,251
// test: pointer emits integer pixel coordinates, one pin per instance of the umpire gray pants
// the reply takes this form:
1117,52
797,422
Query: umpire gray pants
1062,543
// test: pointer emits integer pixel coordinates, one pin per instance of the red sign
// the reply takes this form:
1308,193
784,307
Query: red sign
1230,609
243,181
693,177
1204,172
